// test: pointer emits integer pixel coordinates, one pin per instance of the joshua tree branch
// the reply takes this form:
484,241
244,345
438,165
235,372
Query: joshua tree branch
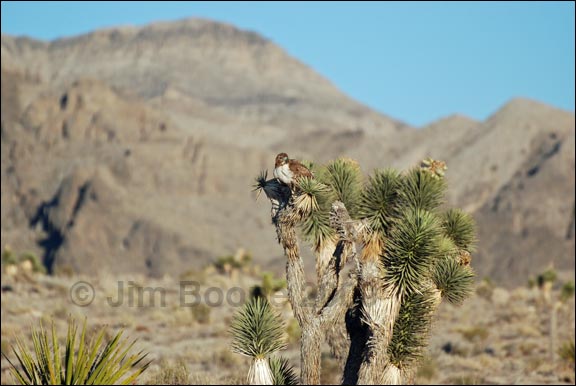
327,276
285,228
338,290
380,308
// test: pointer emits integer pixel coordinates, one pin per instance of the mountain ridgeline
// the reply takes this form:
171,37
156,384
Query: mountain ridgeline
134,150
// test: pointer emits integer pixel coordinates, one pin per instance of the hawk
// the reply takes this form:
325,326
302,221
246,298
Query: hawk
288,170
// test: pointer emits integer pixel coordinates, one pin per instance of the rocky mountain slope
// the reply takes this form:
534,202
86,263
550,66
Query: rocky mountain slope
134,150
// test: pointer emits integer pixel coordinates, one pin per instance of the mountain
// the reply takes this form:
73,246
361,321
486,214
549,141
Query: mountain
515,172
134,150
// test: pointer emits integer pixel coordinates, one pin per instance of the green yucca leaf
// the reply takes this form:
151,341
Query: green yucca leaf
420,190
411,249
56,352
344,177
446,247
257,330
104,365
311,192
315,188
410,333
379,200
282,371
315,199
316,229
454,281
460,227
26,362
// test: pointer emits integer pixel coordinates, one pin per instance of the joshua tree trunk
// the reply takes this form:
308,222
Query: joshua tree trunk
334,294
260,373
310,353
310,345
379,307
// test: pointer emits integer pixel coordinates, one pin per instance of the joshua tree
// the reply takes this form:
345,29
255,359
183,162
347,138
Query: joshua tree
387,252
257,332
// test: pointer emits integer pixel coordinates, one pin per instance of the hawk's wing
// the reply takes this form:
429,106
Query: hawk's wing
299,170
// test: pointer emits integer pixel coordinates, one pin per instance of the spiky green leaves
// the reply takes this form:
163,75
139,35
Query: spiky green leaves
410,333
410,250
378,201
311,193
257,330
344,178
454,281
446,247
422,190
314,199
282,372
88,363
460,227
339,180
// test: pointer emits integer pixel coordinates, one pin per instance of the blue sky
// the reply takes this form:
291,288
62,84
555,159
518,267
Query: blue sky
414,61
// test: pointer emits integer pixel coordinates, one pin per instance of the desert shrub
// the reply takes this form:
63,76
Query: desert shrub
566,353
171,374
475,334
201,313
485,289
427,369
35,262
269,285
548,276
11,258
198,275
293,330
567,291
225,359
228,262
8,257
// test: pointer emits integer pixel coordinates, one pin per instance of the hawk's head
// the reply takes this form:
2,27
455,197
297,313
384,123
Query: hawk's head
281,159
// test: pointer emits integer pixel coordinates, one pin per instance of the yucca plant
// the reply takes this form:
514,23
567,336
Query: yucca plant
282,372
257,331
414,252
84,362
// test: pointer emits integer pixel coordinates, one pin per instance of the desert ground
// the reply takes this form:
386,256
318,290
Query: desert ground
498,336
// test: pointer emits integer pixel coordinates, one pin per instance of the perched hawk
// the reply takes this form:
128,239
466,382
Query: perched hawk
289,170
